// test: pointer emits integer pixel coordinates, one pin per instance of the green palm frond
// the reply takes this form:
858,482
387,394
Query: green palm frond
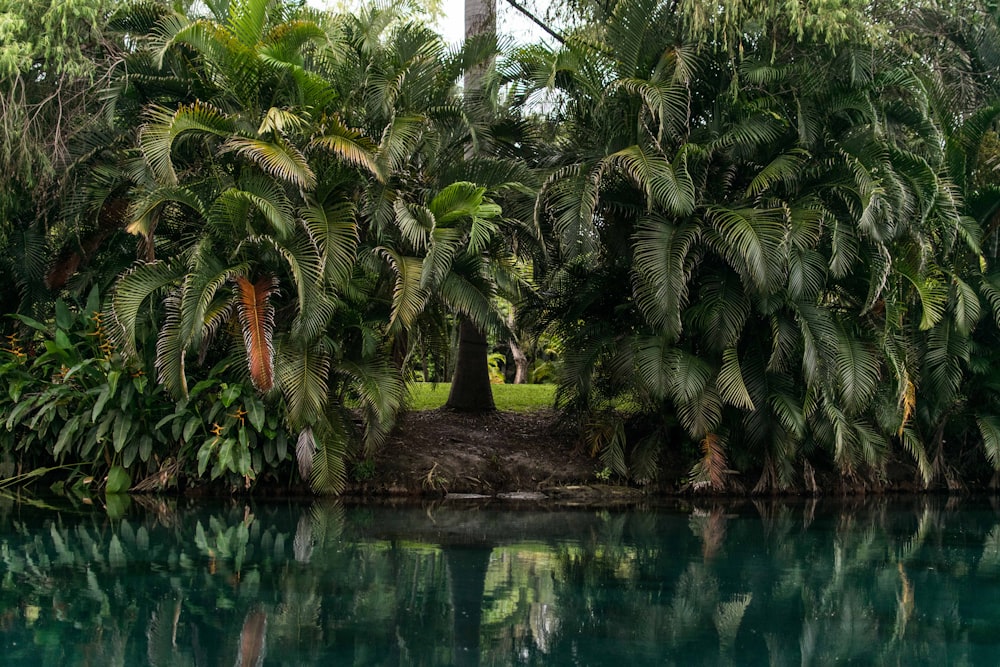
131,293
474,301
408,295
146,210
669,185
785,169
931,287
398,143
302,371
415,222
789,412
729,383
247,19
966,306
806,274
844,248
570,198
350,145
662,263
163,126
946,350
720,310
446,242
171,350
655,367
689,376
915,447
858,371
989,429
752,242
305,265
278,158
334,230
989,287
285,40
329,464
381,393
236,207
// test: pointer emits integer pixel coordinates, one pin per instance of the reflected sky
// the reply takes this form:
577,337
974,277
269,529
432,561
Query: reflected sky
165,582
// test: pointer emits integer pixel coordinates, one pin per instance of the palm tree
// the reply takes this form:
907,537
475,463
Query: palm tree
254,182
769,221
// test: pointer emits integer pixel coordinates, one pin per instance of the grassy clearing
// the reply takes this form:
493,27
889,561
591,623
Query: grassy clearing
508,397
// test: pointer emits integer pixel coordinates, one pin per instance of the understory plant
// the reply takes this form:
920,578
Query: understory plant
72,400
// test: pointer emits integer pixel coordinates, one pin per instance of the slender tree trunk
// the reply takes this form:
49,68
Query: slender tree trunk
520,363
470,388
520,359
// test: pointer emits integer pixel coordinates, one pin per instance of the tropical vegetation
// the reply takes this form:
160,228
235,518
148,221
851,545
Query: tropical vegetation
754,237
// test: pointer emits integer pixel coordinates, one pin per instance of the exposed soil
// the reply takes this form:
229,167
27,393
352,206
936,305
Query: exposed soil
533,456
515,455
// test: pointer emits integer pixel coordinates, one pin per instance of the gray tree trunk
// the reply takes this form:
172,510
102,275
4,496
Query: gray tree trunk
470,388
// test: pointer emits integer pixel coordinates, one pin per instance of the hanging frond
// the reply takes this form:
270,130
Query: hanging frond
712,467
381,393
351,146
730,383
131,293
858,372
408,296
256,313
661,262
171,351
329,469
334,230
752,243
163,126
302,371
278,158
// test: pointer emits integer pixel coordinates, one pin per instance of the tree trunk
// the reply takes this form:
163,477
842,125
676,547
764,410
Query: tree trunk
520,360
520,363
470,388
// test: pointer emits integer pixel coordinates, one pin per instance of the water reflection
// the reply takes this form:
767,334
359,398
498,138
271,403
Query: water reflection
812,583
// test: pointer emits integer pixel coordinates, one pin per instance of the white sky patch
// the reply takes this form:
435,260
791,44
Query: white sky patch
451,26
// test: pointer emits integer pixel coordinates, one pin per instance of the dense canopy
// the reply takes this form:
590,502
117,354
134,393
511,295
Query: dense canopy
755,237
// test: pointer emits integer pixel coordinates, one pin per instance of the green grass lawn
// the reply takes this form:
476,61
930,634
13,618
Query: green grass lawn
508,397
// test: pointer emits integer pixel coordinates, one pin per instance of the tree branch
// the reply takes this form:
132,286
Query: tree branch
537,21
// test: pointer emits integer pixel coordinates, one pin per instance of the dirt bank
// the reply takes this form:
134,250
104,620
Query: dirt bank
436,452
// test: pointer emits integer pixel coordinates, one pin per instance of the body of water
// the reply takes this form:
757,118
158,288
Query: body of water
164,582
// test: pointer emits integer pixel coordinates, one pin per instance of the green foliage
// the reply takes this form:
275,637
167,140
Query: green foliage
71,398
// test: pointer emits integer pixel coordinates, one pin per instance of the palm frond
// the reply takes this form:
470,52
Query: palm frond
351,146
278,158
302,371
661,262
163,126
256,314
131,292
732,389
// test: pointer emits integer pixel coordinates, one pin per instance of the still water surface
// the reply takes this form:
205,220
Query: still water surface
901,582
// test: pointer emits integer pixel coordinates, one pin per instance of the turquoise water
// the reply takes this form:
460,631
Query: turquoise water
900,582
